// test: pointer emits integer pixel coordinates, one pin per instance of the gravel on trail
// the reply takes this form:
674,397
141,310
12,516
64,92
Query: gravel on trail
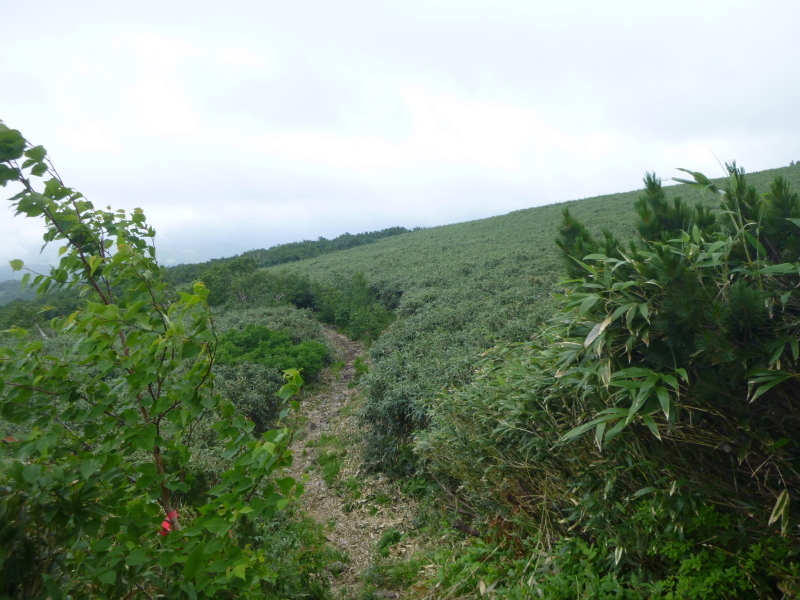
354,523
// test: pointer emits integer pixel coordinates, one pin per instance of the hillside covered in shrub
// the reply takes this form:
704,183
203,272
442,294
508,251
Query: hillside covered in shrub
643,435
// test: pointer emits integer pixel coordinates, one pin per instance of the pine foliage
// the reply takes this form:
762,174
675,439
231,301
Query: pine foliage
651,433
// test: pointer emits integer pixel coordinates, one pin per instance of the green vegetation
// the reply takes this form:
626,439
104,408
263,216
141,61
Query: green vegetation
277,255
115,428
258,344
12,290
646,438
389,538
296,548
630,432
460,289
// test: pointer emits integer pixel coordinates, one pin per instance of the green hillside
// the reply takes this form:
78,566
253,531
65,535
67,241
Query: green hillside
631,433
464,287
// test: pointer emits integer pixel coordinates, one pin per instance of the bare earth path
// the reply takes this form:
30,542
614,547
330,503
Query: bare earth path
359,508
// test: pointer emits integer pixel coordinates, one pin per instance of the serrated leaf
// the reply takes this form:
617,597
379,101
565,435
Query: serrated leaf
39,169
217,525
108,577
37,153
136,557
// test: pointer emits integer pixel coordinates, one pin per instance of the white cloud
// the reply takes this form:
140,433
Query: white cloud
289,121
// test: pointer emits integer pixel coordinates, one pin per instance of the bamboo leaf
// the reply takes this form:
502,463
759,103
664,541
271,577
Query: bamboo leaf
651,424
643,491
615,431
598,434
622,309
782,269
597,330
771,383
588,303
781,511
755,243
632,372
581,429
664,400
645,311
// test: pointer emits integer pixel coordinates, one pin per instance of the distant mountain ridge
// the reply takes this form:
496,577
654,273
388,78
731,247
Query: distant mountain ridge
286,253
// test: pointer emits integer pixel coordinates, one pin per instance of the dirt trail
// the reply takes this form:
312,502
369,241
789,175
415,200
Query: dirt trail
359,508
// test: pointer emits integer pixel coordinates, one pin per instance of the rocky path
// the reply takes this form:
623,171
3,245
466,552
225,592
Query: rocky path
357,510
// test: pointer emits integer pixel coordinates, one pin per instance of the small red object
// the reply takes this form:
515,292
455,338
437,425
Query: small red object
166,524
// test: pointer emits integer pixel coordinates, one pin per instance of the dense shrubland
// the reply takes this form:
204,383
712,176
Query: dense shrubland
462,288
647,438
278,255
112,427
642,444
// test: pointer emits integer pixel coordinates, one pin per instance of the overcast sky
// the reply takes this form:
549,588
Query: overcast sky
245,124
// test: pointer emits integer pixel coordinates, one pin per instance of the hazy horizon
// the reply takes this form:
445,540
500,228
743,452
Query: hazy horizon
268,123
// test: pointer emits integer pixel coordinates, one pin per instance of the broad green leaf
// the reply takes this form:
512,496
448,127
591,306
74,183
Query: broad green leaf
622,310
755,243
239,571
12,144
39,169
645,311
8,174
193,562
616,430
632,372
88,467
107,577
136,557
191,593
285,485
217,525
37,153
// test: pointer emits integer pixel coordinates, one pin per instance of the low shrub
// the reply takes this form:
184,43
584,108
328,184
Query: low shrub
260,345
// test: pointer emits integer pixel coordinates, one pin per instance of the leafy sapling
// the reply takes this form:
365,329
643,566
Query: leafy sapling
113,423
